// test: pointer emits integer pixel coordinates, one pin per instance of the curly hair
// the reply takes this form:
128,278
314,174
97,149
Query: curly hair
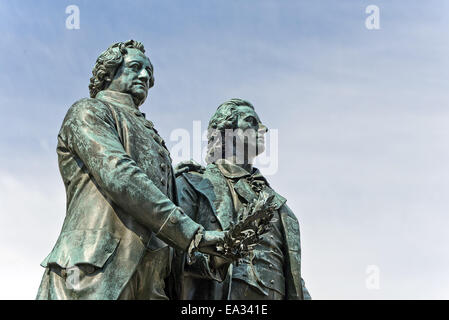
108,62
224,118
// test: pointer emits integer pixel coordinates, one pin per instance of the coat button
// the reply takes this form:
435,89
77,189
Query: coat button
148,124
272,281
163,181
173,219
163,166
84,267
213,220
156,138
271,266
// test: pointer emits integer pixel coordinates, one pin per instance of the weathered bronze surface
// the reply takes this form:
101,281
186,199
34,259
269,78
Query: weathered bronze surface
217,197
122,220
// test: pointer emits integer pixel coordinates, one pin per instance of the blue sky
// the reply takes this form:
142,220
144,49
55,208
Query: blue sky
361,114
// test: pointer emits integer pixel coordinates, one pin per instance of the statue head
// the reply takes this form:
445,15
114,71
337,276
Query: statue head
235,130
123,67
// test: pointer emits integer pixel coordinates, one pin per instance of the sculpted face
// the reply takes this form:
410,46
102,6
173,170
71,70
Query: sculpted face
253,129
133,76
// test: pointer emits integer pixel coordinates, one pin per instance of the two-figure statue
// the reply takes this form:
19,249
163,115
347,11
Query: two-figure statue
134,231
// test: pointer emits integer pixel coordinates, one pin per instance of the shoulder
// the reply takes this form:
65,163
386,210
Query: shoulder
188,166
88,106
196,173
285,210
86,113
192,176
188,179
204,181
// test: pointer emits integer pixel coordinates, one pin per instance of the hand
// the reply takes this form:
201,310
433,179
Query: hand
255,220
209,242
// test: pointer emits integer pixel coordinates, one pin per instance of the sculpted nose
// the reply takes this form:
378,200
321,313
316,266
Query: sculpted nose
262,128
144,76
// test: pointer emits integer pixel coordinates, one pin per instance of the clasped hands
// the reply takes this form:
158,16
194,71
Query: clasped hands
241,238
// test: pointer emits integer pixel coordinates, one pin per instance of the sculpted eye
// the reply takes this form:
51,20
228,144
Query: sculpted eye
252,120
135,66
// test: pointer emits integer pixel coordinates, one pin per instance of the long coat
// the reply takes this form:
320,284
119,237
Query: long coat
120,198
206,198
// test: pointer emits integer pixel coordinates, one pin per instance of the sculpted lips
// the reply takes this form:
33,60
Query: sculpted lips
140,83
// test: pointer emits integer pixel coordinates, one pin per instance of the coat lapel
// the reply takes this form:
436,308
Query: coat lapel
243,188
292,241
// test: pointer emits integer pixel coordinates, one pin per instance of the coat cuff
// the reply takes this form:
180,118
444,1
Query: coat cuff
178,230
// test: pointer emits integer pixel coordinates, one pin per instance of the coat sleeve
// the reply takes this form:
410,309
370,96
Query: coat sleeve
305,292
295,286
90,131
187,196
203,266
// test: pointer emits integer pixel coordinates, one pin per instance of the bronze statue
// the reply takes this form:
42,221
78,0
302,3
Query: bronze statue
222,195
122,214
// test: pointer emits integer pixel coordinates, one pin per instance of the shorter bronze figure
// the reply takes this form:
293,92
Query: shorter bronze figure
222,195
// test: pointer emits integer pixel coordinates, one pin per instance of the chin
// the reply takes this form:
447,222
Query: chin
260,146
140,96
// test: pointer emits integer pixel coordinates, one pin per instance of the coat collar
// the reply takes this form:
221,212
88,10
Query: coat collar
233,171
117,98
213,185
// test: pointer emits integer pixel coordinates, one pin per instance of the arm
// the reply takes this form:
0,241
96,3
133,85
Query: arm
295,285
90,131
204,266
305,292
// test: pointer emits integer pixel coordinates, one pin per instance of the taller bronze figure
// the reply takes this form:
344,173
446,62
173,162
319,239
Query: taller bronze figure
121,216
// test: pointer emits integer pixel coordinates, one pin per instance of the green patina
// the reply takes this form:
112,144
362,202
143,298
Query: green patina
122,214
217,196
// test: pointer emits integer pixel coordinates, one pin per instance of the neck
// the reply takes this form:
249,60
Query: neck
137,102
246,164
117,96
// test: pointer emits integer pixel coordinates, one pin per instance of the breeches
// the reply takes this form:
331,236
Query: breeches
148,281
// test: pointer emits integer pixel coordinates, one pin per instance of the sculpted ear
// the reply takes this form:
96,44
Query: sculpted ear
108,78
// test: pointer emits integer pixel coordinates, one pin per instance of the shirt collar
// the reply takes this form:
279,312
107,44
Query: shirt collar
115,97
